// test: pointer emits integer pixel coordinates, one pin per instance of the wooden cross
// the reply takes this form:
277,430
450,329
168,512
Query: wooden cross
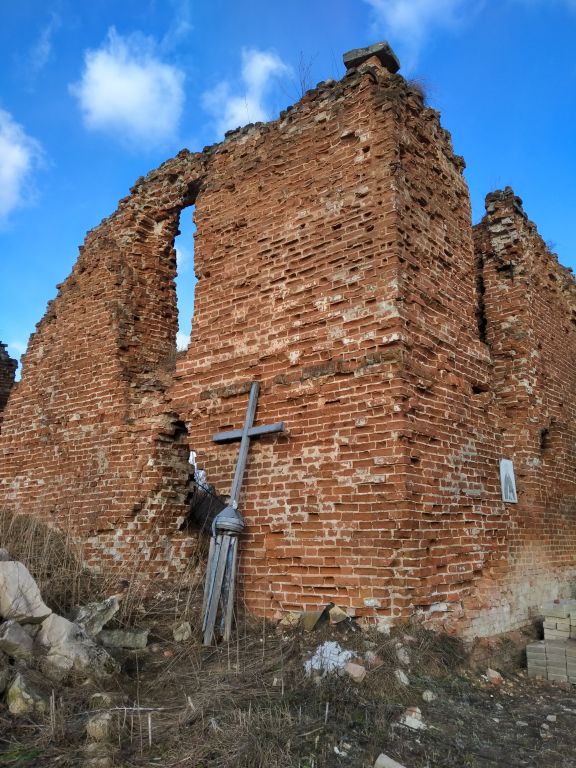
221,572
244,435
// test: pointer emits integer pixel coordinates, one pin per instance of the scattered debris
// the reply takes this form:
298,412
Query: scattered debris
494,677
93,617
356,671
70,649
15,641
372,659
328,657
309,619
384,625
181,631
402,677
412,718
99,726
402,655
136,639
23,699
383,761
20,598
337,615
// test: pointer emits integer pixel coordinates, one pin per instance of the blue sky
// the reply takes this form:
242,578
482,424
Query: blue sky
95,94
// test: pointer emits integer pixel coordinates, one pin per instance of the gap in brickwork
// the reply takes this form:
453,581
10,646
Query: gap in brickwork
481,317
185,278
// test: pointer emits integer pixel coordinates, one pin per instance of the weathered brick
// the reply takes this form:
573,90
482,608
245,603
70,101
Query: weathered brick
406,352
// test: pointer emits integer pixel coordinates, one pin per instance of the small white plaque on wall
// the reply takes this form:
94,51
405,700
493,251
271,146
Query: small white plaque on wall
508,482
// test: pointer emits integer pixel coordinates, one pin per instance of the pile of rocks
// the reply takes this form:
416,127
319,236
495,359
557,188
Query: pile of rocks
34,639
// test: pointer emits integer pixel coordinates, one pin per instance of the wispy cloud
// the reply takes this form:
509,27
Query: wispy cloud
41,52
182,341
20,154
127,92
231,109
184,258
180,26
408,23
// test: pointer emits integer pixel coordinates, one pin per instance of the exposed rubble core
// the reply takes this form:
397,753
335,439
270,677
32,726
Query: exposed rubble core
406,352
7,373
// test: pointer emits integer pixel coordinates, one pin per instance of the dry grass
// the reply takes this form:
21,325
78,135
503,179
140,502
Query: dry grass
249,703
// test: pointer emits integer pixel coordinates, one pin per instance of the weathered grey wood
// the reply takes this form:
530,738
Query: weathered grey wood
216,591
230,590
220,583
244,443
236,434
209,575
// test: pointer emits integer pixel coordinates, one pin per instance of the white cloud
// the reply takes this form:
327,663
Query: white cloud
184,258
180,26
41,51
182,341
128,92
259,71
408,23
19,155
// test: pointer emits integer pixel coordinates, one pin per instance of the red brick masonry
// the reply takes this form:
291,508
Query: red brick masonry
406,352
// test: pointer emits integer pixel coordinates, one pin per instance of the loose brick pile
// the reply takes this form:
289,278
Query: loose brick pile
553,659
406,351
560,620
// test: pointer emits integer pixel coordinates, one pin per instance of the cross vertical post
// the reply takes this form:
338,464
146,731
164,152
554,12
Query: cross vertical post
222,559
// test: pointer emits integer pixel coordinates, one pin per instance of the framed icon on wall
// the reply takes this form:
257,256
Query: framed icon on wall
508,482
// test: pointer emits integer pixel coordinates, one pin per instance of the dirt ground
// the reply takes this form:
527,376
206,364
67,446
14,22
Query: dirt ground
250,704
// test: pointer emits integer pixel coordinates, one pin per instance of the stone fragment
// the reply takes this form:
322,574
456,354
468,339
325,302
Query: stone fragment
381,50
309,619
4,556
70,649
181,631
93,617
372,659
15,641
290,620
402,677
20,598
402,655
383,761
494,677
100,700
356,671
23,699
337,615
551,718
5,677
384,625
97,754
412,718
99,727
135,639
429,696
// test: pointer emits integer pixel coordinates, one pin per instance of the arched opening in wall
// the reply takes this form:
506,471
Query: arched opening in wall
185,277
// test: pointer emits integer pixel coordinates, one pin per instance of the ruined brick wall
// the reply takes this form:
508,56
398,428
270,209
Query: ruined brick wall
529,311
88,440
336,265
298,264
7,373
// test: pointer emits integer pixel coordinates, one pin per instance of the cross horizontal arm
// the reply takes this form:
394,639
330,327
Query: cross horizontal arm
236,434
